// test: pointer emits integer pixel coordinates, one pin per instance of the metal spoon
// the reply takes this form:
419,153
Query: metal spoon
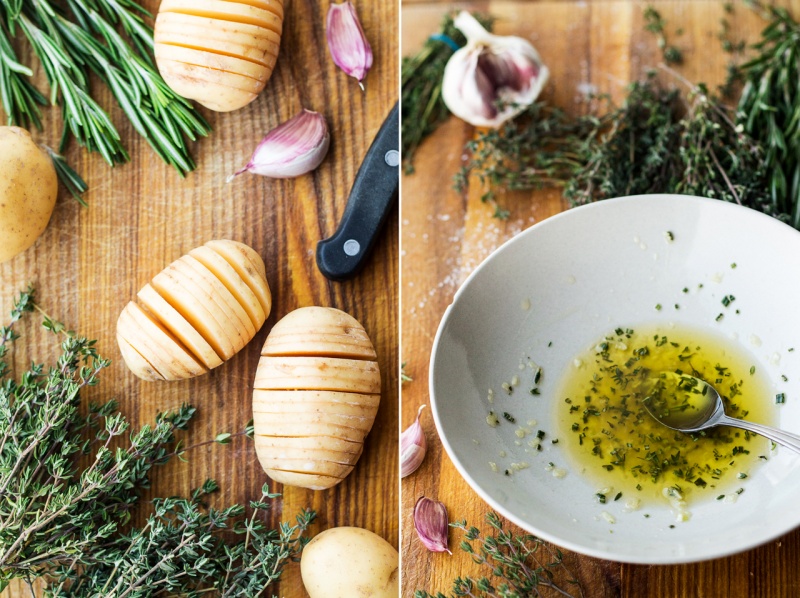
688,404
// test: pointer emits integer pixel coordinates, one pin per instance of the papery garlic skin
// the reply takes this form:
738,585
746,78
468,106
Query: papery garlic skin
430,521
347,43
493,77
293,148
413,446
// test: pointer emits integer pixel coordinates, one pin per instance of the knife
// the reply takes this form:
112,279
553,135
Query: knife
373,194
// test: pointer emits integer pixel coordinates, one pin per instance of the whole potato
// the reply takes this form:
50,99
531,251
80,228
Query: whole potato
28,189
350,562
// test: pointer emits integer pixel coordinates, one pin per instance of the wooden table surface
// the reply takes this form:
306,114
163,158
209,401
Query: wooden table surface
91,261
446,234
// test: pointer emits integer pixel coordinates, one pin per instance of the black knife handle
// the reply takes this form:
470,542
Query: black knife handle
372,196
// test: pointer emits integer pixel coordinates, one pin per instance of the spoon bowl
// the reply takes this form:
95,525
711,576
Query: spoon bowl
689,404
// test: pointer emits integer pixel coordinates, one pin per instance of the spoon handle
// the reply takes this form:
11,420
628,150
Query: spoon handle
786,439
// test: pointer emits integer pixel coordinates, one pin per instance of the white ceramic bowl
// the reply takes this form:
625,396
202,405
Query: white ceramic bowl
585,272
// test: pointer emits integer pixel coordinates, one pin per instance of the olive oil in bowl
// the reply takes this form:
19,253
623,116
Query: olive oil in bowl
611,438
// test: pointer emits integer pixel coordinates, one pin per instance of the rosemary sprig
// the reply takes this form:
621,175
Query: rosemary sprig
522,566
769,108
421,78
70,479
88,38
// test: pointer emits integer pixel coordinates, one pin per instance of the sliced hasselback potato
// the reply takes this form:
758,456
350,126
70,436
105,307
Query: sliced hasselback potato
315,397
220,53
196,313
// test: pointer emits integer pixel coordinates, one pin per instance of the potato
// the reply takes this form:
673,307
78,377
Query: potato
196,313
317,391
349,562
28,189
218,52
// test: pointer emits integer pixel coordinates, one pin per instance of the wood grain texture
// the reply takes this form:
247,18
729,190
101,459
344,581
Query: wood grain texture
599,45
142,216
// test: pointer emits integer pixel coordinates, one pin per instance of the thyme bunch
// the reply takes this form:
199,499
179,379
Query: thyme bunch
111,39
421,86
660,141
656,141
526,565
70,479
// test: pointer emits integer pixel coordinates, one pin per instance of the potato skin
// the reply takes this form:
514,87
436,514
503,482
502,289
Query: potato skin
28,190
350,562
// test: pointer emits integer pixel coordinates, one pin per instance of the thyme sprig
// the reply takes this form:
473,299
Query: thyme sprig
522,566
87,37
70,477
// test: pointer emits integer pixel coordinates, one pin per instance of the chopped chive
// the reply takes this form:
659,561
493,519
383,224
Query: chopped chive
685,290
658,307
780,398
742,476
508,417
601,498
720,497
752,370
719,317
540,434
677,306
733,266
618,496
784,378
669,236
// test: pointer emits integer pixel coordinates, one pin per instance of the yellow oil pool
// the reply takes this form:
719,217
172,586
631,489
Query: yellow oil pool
610,437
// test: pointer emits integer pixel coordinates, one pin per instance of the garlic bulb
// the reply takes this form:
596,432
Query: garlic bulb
493,78
413,446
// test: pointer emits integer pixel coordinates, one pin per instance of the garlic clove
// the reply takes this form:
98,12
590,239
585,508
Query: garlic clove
291,149
347,43
413,446
430,521
493,77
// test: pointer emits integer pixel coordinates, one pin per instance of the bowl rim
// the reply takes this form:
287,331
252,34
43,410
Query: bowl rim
722,551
